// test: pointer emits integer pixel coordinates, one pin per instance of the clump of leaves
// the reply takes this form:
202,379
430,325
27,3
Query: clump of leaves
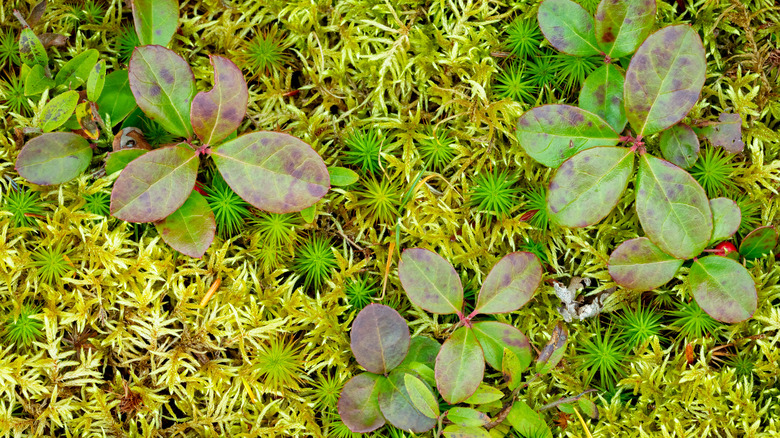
230,211
97,203
22,328
265,52
360,291
639,325
325,391
523,38
692,322
12,94
275,229
381,201
494,192
513,83
602,354
9,50
50,263
24,206
363,149
436,149
314,262
279,365
713,171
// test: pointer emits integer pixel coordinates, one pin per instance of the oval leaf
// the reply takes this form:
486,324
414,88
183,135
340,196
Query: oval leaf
673,208
379,338
726,217
54,158
552,133
758,242
602,94
58,110
723,288
163,86
527,421
36,81
154,185
494,336
421,396
588,185
510,284
664,79
512,369
342,177
155,20
430,281
76,71
116,101
398,409
460,366
568,27
96,80
589,408
727,133
190,229
467,417
621,25
31,49
118,160
680,145
458,431
638,264
422,350
217,113
273,171
484,394
359,403
552,353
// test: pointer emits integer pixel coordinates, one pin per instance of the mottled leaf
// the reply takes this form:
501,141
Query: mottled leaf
621,25
53,39
379,338
430,281
217,113
118,160
589,408
31,49
552,133
568,27
96,80
510,284
680,145
53,158
458,431
342,177
602,94
273,171
58,110
398,409
758,242
512,369
37,13
116,101
421,396
76,71
726,133
664,79
467,417
672,207
552,353
154,185
36,81
726,217
723,288
359,403
155,20
638,264
494,336
527,421
164,87
190,229
484,394
460,366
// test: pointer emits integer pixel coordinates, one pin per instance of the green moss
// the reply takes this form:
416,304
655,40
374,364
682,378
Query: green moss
713,171
360,292
230,211
363,149
494,192
9,49
22,328
692,322
639,325
98,203
23,205
514,83
314,262
523,38
603,355
380,200
51,263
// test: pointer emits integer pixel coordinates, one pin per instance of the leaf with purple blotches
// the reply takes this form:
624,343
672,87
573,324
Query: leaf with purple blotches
430,281
460,366
190,229
217,113
758,242
54,158
621,25
58,110
602,94
494,336
680,145
726,217
723,288
568,27
726,133
638,264
358,404
397,407
155,20
510,283
379,338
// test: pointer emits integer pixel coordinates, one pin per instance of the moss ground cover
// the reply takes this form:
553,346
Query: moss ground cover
110,332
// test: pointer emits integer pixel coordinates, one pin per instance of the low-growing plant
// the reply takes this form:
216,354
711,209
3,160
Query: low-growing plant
21,328
23,205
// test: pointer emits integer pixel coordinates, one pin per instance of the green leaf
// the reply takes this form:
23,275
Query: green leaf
53,158
680,145
602,94
430,281
217,113
422,349
568,27
723,288
308,214
76,71
190,229
154,185
31,49
116,101
58,110
726,217
672,207
758,242
467,417
458,431
164,87
638,264
621,25
459,366
527,421
96,80
589,408
379,338
552,353
273,171
494,336
664,79
588,185
118,160
552,133
510,284
398,409
421,396
727,133
36,81
512,369
484,394
155,20
342,177
359,403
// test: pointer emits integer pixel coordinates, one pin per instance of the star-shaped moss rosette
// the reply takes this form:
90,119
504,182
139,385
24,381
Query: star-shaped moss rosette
432,284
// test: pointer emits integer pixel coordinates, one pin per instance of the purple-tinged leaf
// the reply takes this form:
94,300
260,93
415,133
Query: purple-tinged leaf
484,394
568,27
379,338
458,431
680,145
190,229
154,185
163,86
96,80
494,336
602,94
727,133
510,284
421,396
117,100
53,158
118,160
758,242
467,417
76,71
430,281
664,79
621,25
396,406
359,403
58,110
726,217
155,20
552,353
723,288
638,264
460,366
31,49
588,185
552,133
273,171
527,421
672,207
217,113
511,369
